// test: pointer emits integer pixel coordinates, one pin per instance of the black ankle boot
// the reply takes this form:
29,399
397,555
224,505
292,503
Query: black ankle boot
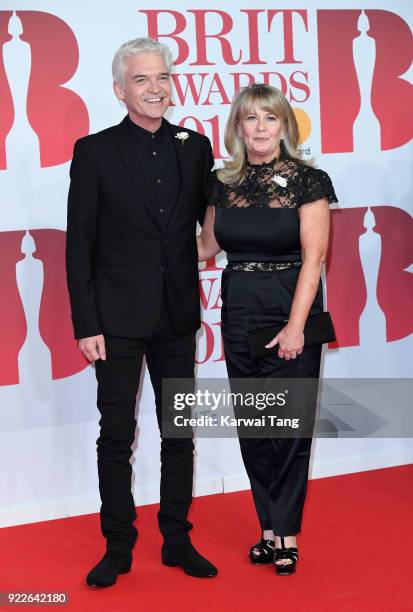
185,556
105,573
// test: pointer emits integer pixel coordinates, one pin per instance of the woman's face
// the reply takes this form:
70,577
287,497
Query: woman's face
261,132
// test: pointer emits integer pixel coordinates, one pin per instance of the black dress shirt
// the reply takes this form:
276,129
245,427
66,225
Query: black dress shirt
161,169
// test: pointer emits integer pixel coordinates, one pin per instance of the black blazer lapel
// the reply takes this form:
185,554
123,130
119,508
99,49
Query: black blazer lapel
129,153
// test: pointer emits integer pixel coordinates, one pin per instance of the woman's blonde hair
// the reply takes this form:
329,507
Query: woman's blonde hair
271,100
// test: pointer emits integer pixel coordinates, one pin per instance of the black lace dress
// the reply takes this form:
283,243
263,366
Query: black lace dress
258,225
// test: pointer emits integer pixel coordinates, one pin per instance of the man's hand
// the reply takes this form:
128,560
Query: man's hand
93,348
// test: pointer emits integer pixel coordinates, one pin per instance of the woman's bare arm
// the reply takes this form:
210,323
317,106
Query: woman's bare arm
207,244
314,231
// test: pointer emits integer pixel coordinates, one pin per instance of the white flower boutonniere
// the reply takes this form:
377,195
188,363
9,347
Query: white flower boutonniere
182,136
280,180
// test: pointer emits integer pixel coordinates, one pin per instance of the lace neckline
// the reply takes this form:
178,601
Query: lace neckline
264,164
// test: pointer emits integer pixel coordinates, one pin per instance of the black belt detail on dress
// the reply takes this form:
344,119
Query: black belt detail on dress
262,266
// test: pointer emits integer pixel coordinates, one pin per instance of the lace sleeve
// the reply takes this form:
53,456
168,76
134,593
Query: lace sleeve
214,190
316,185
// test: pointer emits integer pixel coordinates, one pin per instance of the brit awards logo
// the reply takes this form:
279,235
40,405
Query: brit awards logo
41,118
365,100
369,268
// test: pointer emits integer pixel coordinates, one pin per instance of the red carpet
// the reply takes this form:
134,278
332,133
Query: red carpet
355,555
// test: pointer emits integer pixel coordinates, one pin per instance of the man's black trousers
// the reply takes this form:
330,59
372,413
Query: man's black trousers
168,355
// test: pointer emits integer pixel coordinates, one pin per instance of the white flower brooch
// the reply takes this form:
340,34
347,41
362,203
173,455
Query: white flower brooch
280,180
182,136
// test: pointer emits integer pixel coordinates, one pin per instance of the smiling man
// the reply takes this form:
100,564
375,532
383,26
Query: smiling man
137,190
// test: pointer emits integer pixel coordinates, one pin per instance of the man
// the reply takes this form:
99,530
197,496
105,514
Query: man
137,190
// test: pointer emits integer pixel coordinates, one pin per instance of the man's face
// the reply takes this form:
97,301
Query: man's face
147,89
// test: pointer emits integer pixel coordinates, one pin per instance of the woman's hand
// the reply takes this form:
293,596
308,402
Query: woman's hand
290,342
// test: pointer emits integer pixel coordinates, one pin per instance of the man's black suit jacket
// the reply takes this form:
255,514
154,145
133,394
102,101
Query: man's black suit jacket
118,260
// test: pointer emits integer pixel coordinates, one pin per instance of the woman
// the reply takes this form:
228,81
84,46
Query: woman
269,211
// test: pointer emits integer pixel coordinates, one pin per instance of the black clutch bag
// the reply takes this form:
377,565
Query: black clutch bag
317,330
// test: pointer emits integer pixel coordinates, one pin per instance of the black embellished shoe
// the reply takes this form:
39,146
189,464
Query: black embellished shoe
290,553
105,573
262,552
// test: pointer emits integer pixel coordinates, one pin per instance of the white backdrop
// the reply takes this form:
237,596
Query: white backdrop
348,76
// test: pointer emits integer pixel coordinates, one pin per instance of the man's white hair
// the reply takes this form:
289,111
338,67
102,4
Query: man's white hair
133,47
